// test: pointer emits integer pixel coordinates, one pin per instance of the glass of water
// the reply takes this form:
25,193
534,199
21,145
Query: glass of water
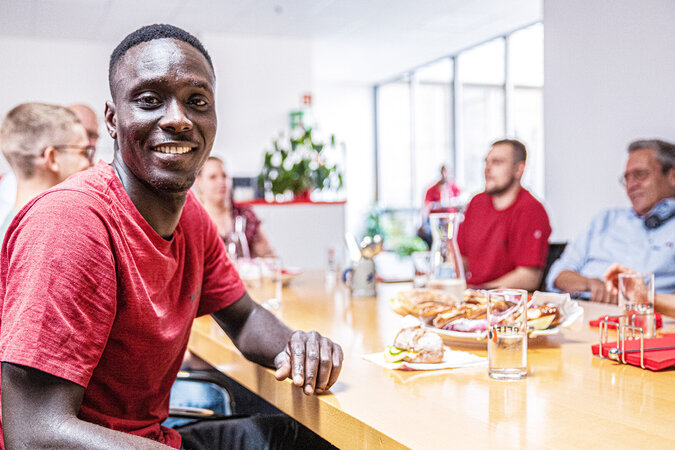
507,334
422,265
636,301
270,282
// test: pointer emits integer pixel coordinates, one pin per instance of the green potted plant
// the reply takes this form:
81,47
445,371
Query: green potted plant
299,165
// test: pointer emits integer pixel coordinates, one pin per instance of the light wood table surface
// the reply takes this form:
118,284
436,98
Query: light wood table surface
570,399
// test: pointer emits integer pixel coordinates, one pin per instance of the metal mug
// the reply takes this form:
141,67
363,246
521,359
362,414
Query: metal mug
361,278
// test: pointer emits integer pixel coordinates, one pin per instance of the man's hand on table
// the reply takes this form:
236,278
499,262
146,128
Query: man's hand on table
612,277
312,361
599,292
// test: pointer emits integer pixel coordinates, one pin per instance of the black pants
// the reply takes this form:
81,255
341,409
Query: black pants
256,425
277,431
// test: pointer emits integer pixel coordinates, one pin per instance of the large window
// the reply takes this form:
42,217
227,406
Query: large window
432,124
449,111
394,143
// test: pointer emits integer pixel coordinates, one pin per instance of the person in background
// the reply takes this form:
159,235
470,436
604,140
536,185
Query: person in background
663,303
102,276
44,144
8,182
439,195
504,236
89,120
438,198
641,237
214,190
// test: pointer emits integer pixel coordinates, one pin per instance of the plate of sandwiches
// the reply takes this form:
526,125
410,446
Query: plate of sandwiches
464,321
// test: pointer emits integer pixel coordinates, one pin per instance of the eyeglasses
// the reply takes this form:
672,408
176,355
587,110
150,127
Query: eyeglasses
637,175
88,151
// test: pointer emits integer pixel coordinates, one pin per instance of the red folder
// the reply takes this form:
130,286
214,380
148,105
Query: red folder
654,359
596,322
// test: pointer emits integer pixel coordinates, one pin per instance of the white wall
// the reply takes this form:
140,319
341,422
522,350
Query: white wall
346,110
259,80
609,70
62,72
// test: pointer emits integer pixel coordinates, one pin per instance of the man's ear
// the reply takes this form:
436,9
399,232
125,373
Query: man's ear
520,169
49,161
671,178
111,119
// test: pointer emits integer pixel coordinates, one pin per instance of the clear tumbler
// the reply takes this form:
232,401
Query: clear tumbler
507,334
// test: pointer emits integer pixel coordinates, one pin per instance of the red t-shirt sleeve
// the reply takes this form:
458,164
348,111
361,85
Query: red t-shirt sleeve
222,285
59,287
529,245
432,195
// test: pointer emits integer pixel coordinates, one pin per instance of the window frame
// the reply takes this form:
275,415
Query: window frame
508,88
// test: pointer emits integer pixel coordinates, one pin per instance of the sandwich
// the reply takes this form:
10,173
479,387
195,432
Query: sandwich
422,302
415,345
542,317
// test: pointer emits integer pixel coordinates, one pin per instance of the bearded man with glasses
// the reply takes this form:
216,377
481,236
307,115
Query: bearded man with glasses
641,237
44,144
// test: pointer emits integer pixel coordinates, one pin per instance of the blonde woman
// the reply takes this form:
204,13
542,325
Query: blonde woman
214,189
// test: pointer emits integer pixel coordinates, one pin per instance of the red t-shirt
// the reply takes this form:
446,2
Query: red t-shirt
92,294
496,242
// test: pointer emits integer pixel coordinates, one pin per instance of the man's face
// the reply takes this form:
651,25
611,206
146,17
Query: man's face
213,184
500,170
163,114
89,120
71,156
444,174
646,184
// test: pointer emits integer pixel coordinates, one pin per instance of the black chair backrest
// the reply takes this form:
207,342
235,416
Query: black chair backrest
555,250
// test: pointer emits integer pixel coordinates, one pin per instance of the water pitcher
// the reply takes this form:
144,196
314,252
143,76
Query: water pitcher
447,270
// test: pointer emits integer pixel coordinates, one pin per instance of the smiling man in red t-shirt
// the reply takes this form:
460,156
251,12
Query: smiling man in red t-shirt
102,276
504,236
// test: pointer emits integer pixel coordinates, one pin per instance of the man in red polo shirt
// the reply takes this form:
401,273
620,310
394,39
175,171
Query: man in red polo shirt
504,236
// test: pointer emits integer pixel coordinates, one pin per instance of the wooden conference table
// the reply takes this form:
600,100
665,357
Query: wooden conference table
570,399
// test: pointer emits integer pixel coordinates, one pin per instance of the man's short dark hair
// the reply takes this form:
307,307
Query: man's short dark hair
519,151
665,151
150,33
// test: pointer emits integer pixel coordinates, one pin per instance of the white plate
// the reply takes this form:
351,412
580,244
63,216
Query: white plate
571,312
451,359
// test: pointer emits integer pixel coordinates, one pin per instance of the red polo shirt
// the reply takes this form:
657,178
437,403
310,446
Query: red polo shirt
496,242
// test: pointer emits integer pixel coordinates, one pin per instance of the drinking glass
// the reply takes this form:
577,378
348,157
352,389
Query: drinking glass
507,334
249,271
236,243
422,264
636,301
270,282
447,269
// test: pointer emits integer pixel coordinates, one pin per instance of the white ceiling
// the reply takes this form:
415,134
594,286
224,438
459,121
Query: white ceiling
383,21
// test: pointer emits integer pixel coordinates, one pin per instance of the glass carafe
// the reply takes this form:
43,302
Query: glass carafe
447,269
237,246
